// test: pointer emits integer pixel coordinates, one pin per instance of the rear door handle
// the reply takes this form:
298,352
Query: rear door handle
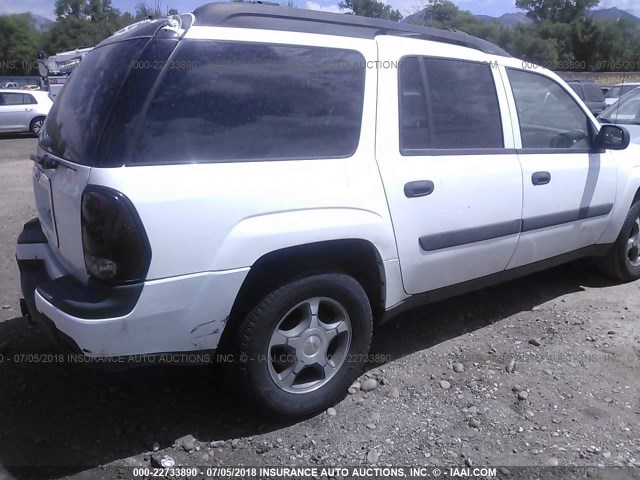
419,188
541,178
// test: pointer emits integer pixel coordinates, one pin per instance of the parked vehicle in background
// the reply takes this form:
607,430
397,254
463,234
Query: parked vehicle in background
57,68
23,110
625,112
298,178
10,85
618,91
590,93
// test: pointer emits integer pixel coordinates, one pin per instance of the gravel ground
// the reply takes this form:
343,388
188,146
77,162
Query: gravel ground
542,371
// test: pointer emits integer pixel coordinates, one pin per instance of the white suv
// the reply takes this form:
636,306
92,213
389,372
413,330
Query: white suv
272,183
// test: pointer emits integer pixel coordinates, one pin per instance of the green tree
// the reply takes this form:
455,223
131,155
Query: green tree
19,43
556,10
370,8
441,11
147,10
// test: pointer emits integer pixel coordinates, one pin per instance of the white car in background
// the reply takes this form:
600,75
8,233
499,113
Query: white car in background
625,112
23,110
618,91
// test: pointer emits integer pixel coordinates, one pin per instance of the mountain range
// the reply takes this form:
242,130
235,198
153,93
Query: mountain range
40,23
513,19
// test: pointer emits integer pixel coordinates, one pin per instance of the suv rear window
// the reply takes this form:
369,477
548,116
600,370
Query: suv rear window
592,92
77,117
227,101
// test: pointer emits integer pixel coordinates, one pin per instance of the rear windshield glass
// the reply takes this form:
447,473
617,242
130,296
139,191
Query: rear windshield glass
223,101
593,93
619,90
77,117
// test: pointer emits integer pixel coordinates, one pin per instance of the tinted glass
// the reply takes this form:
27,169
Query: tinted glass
620,90
626,111
462,103
593,93
14,99
75,122
414,119
223,101
578,89
548,115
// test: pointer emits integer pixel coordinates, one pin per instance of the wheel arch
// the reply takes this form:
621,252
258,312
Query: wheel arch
627,196
355,257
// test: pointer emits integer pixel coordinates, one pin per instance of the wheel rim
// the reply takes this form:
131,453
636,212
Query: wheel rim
309,345
633,244
37,126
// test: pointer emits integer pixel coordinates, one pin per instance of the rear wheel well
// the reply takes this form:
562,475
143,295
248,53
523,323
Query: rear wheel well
356,258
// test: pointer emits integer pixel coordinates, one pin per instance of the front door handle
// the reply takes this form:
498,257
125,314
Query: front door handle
541,178
419,188
28,109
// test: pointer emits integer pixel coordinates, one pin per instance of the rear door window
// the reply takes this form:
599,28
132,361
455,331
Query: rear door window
448,104
227,101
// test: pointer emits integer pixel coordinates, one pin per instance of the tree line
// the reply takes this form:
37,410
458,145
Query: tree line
561,35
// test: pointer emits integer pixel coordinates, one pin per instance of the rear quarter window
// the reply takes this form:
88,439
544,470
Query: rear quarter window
227,101
78,115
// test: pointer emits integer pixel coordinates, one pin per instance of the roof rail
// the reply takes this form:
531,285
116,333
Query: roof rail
247,15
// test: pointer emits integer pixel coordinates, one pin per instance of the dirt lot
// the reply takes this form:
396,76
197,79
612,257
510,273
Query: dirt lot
543,371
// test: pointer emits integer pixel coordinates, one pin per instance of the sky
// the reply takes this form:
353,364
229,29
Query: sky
406,7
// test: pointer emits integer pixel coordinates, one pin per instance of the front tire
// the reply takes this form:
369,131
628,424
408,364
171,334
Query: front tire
622,262
300,348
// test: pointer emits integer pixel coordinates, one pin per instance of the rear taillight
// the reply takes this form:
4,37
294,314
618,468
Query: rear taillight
116,248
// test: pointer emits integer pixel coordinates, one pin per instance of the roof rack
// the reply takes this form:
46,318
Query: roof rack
247,15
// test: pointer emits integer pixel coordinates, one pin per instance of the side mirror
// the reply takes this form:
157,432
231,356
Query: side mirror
612,137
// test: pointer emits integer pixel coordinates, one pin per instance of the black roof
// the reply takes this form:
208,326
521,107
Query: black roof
247,15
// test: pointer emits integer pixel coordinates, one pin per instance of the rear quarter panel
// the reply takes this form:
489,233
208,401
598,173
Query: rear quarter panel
220,216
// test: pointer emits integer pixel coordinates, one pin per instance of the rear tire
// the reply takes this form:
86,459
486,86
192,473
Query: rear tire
622,262
299,349
36,125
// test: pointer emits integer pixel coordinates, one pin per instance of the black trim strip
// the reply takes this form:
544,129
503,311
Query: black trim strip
469,235
544,221
430,152
424,152
466,236
555,151
490,280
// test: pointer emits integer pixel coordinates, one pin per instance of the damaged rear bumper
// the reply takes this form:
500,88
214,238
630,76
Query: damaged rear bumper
177,314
